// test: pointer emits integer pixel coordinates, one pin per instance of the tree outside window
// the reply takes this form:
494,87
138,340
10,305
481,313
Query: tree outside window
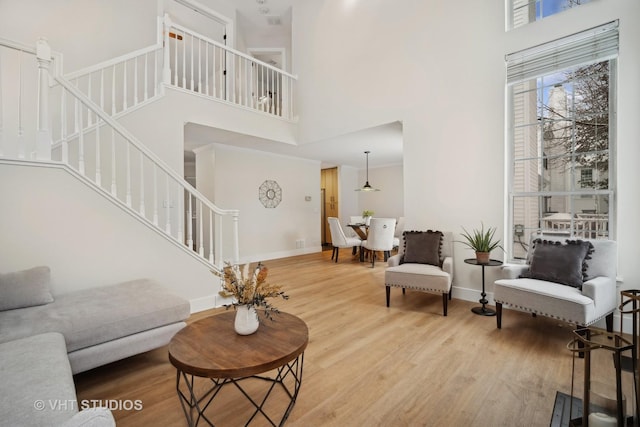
561,147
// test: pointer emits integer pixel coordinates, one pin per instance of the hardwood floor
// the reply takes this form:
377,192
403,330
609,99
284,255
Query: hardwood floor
369,365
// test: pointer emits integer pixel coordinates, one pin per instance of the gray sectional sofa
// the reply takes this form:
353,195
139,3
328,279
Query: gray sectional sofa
44,340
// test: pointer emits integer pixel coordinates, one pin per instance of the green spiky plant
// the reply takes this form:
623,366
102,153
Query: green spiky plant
481,240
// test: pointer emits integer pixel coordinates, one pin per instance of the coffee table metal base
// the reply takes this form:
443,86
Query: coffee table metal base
288,377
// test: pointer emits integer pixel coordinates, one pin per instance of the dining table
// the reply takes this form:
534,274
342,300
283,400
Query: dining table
361,229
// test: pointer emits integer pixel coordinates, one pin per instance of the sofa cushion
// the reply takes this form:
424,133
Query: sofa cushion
25,288
422,247
97,315
38,387
91,417
560,263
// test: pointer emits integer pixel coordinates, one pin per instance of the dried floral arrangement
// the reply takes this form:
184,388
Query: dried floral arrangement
250,287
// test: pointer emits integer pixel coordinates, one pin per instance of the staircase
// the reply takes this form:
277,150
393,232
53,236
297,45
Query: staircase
77,125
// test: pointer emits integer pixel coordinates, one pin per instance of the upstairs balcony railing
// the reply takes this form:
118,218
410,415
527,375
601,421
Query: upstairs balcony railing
195,63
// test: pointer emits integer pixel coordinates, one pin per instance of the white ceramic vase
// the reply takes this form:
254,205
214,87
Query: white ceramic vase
246,321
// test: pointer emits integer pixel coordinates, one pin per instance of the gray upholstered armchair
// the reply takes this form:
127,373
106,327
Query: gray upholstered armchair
424,263
587,295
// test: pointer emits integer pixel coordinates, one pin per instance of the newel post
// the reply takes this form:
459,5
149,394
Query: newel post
166,66
43,138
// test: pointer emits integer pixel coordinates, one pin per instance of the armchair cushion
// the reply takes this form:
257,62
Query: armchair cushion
547,299
422,247
560,263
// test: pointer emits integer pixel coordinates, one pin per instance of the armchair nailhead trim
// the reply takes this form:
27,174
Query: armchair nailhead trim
439,291
553,316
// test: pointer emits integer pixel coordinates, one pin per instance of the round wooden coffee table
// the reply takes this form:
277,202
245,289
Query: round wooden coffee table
210,348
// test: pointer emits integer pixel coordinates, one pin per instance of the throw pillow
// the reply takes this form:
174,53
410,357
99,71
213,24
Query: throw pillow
422,247
25,288
560,263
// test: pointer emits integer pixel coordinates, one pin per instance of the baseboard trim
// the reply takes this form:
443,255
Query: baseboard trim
204,303
280,254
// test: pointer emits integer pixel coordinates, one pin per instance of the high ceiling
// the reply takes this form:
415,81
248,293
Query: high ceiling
265,19
267,24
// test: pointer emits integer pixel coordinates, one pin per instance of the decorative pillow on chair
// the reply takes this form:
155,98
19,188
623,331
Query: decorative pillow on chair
422,247
560,263
25,288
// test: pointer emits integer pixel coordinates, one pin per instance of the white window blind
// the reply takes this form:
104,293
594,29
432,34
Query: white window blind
587,47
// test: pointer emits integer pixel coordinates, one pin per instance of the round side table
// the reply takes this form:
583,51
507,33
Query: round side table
483,311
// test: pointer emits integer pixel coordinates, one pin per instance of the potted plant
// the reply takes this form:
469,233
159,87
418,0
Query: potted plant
482,242
249,290
366,215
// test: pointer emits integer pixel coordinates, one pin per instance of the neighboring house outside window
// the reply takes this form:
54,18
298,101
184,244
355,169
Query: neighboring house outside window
586,178
561,141
522,12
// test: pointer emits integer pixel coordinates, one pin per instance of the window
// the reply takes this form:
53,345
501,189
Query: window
561,99
586,178
522,12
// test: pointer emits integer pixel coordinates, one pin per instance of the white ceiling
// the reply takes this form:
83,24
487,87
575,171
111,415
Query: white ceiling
384,142
261,20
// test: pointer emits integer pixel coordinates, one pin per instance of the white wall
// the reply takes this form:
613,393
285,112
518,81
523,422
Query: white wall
347,196
389,201
267,233
51,218
86,31
439,68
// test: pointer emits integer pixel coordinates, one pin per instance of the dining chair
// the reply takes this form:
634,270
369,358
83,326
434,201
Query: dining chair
380,238
339,239
397,236
354,220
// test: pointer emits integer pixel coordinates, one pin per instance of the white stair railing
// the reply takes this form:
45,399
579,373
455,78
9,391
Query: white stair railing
110,156
18,100
197,64
103,151
122,84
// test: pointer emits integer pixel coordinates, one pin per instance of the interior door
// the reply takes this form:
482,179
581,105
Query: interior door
323,217
329,183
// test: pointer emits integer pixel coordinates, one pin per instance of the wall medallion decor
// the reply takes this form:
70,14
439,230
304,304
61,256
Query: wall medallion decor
270,194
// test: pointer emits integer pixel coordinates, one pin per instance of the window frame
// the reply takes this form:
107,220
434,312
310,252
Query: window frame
537,5
576,190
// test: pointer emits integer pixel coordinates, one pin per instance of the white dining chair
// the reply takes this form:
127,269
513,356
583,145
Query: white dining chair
354,220
379,238
397,236
340,240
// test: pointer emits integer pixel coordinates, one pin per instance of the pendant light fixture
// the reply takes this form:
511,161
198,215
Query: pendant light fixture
367,186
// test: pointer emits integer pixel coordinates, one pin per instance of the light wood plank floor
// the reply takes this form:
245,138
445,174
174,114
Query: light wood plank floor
369,365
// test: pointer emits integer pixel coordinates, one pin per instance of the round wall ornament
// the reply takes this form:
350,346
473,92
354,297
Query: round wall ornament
270,194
